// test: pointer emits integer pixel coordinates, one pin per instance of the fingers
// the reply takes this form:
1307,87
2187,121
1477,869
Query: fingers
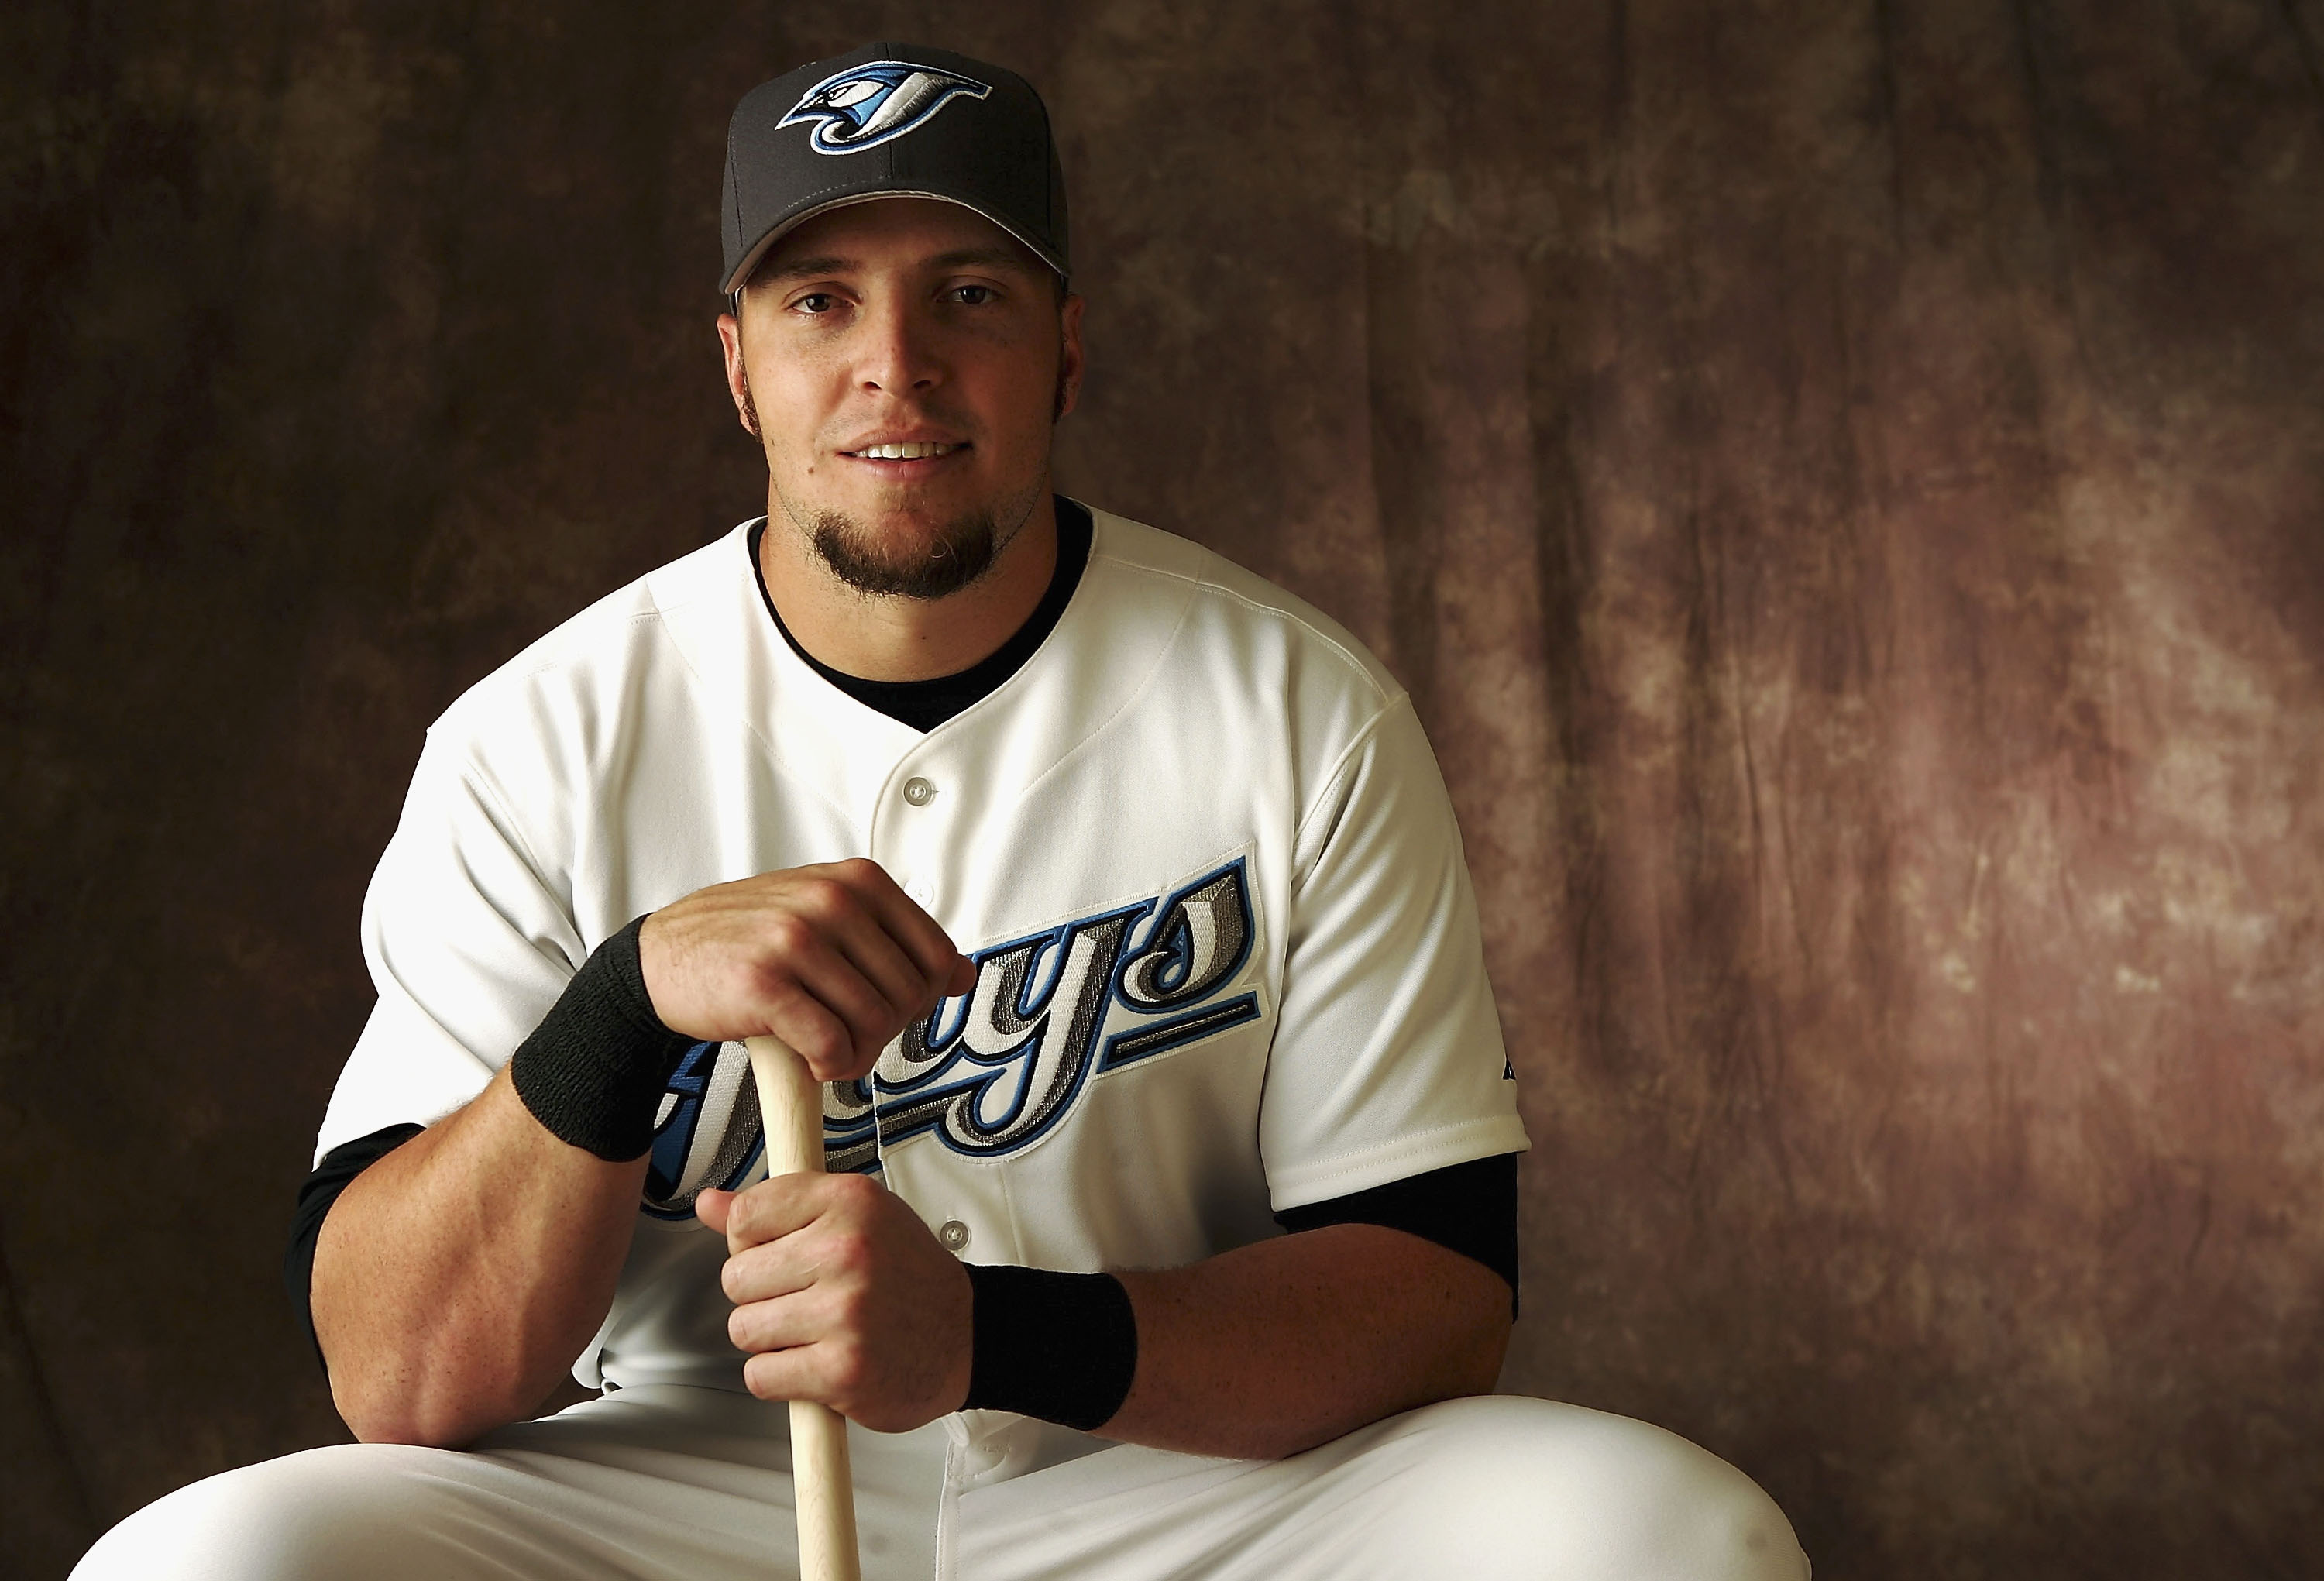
850,906
783,1305
711,1206
786,1205
832,1370
816,1000
870,958
963,977
843,1295
914,929
799,1274
835,959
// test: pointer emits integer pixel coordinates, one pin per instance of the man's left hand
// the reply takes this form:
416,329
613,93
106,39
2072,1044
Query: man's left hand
842,1296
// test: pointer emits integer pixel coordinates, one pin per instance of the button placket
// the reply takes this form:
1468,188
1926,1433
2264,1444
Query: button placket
907,841
918,793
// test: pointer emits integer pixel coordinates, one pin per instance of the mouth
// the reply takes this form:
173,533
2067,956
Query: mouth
920,451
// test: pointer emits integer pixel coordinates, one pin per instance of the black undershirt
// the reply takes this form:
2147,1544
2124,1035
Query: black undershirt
926,704
1469,1208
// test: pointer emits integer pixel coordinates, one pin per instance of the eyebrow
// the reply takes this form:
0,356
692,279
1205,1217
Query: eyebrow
801,268
959,258
988,257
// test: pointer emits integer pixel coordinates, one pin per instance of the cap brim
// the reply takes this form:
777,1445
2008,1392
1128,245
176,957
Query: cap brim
775,233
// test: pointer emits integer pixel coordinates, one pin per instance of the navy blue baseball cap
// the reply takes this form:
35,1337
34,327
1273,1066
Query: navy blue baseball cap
890,121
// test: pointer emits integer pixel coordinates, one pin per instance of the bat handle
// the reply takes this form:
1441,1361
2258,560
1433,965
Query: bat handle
790,1103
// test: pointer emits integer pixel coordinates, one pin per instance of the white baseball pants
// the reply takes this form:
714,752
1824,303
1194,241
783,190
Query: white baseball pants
677,1483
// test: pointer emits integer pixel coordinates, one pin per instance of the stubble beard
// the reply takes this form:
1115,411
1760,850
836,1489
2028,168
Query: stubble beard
962,551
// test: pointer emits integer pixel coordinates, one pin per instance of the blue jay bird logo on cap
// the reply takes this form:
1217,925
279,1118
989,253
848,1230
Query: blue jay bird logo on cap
866,106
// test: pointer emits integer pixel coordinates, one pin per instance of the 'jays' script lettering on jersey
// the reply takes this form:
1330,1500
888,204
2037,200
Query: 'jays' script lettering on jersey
992,1071
1227,955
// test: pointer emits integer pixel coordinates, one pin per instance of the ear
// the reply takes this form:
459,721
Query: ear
738,378
1069,363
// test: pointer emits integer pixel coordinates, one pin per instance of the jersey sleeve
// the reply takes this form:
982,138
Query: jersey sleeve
469,940
1387,1060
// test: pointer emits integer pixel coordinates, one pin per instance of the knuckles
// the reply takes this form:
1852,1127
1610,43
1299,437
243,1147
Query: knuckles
859,873
843,1261
742,954
786,937
823,899
853,1191
827,1049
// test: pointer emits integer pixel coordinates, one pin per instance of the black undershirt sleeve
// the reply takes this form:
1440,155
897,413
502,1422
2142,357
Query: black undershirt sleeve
1469,1207
340,1165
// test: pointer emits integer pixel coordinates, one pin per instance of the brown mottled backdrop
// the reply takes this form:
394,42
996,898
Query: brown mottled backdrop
1843,478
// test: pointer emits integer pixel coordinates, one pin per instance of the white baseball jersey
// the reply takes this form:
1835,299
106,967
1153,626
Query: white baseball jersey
1228,959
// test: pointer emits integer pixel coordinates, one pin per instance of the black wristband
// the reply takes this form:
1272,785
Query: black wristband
1061,1346
595,1070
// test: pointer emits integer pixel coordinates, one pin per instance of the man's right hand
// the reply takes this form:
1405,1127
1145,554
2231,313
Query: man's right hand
835,960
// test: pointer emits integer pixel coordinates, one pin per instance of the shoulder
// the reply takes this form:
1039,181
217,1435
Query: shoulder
571,695
1251,632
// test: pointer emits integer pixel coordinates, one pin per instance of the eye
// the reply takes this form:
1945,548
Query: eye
973,296
817,302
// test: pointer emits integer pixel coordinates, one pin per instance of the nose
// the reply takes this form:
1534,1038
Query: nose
898,355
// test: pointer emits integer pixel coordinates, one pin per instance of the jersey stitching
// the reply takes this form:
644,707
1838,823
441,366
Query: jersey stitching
774,754
478,783
1161,652
1363,733
1206,584
1009,1205
563,660
1344,763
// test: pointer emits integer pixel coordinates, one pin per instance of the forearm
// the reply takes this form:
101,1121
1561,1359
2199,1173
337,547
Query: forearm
1283,1344
459,1275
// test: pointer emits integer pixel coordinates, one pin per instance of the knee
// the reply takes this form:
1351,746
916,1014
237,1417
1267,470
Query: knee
1529,1488
350,1509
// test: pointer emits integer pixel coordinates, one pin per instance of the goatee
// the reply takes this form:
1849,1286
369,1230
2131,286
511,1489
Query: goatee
960,553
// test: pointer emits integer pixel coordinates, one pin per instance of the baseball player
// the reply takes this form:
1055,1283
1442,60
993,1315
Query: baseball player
1115,894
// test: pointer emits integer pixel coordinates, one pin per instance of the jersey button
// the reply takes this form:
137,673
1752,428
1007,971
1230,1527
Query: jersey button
953,1234
920,792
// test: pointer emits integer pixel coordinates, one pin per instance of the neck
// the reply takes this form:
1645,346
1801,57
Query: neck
881,637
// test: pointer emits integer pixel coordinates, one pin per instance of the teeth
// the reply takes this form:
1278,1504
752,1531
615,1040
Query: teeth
919,451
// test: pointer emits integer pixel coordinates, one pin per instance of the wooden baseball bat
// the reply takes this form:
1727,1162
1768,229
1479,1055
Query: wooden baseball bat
790,1103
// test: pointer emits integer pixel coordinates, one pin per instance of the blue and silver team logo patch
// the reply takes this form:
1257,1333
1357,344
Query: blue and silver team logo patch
992,1072
864,106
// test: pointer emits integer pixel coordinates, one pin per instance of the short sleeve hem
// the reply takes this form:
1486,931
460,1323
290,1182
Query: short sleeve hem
1343,1175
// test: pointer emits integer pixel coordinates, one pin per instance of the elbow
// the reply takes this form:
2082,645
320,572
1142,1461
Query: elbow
425,1407
377,1420
422,1423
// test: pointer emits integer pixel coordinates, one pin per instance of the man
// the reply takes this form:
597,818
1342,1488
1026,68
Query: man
1116,894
